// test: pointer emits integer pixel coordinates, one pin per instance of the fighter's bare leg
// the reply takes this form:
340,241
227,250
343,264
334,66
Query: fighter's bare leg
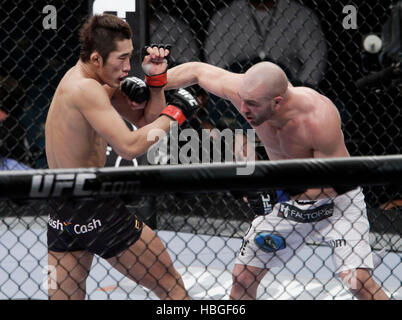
68,272
246,280
148,263
362,285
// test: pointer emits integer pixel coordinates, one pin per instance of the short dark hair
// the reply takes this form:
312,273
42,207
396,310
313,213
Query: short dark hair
100,33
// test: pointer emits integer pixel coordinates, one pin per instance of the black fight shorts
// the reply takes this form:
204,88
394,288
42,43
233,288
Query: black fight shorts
103,227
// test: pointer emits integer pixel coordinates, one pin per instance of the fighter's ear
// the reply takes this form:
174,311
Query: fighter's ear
96,59
278,99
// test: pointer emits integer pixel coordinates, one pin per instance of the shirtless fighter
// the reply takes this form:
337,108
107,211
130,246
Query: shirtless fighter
291,122
84,116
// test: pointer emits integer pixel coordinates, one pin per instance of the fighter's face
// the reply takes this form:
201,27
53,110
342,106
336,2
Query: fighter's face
255,107
117,64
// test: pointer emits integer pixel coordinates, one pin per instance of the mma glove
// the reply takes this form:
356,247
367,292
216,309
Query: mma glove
262,202
135,89
156,80
181,105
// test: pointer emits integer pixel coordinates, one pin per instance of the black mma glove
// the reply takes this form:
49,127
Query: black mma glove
135,89
181,105
262,202
156,80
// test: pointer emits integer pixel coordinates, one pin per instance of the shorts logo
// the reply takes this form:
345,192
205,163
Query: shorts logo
137,224
68,226
270,242
76,228
243,246
288,211
337,243
55,224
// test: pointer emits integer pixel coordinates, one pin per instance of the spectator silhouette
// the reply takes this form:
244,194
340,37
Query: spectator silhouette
281,31
249,31
12,132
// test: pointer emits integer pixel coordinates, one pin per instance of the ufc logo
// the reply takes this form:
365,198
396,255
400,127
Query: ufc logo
54,184
337,243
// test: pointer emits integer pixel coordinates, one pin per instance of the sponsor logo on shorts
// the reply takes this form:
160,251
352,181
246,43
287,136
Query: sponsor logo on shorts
67,226
76,228
243,247
337,243
270,242
288,211
137,224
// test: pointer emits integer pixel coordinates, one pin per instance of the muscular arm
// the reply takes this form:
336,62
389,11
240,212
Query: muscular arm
93,102
218,81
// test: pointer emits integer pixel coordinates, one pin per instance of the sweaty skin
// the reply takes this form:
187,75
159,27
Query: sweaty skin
71,142
307,126
303,124
85,115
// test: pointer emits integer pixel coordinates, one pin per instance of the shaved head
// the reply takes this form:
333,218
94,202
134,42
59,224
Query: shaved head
263,89
267,77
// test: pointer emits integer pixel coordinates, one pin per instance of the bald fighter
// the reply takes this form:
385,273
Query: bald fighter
85,115
292,123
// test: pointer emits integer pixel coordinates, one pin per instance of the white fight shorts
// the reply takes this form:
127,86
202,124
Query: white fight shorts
342,223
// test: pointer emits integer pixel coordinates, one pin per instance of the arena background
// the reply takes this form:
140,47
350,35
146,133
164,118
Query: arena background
33,59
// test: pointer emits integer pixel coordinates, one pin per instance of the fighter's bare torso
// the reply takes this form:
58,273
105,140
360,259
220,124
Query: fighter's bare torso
315,120
71,142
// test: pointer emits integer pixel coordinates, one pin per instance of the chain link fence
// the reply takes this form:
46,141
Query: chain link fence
318,43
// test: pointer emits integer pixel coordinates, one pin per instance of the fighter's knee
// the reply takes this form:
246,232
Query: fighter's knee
361,284
243,278
244,285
